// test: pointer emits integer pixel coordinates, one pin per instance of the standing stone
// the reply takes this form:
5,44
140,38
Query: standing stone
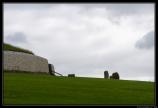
106,74
71,75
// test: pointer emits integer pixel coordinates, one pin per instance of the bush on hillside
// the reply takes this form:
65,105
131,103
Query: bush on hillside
115,75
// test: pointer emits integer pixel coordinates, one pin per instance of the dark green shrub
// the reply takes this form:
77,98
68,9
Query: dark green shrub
115,75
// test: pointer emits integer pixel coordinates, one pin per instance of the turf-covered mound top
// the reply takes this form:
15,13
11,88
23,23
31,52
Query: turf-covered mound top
8,47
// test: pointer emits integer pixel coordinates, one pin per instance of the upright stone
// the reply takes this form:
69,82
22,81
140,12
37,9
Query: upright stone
106,74
71,75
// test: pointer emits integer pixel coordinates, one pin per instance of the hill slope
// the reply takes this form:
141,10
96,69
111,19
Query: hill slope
29,88
8,47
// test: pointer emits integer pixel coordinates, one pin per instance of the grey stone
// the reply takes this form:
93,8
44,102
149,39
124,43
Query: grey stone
71,75
106,74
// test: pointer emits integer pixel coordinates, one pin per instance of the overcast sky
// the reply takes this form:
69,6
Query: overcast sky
86,39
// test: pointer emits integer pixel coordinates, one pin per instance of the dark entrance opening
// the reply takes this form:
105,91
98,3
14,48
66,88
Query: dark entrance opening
51,69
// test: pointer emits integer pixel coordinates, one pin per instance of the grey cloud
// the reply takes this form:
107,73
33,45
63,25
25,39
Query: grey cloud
146,42
27,7
17,37
121,9
130,8
117,8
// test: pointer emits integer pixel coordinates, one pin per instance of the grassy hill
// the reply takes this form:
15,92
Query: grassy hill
29,88
8,47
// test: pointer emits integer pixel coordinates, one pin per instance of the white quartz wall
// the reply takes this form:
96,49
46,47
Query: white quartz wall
24,62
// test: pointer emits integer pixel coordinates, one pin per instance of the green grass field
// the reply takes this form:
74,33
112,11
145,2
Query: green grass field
29,88
8,47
